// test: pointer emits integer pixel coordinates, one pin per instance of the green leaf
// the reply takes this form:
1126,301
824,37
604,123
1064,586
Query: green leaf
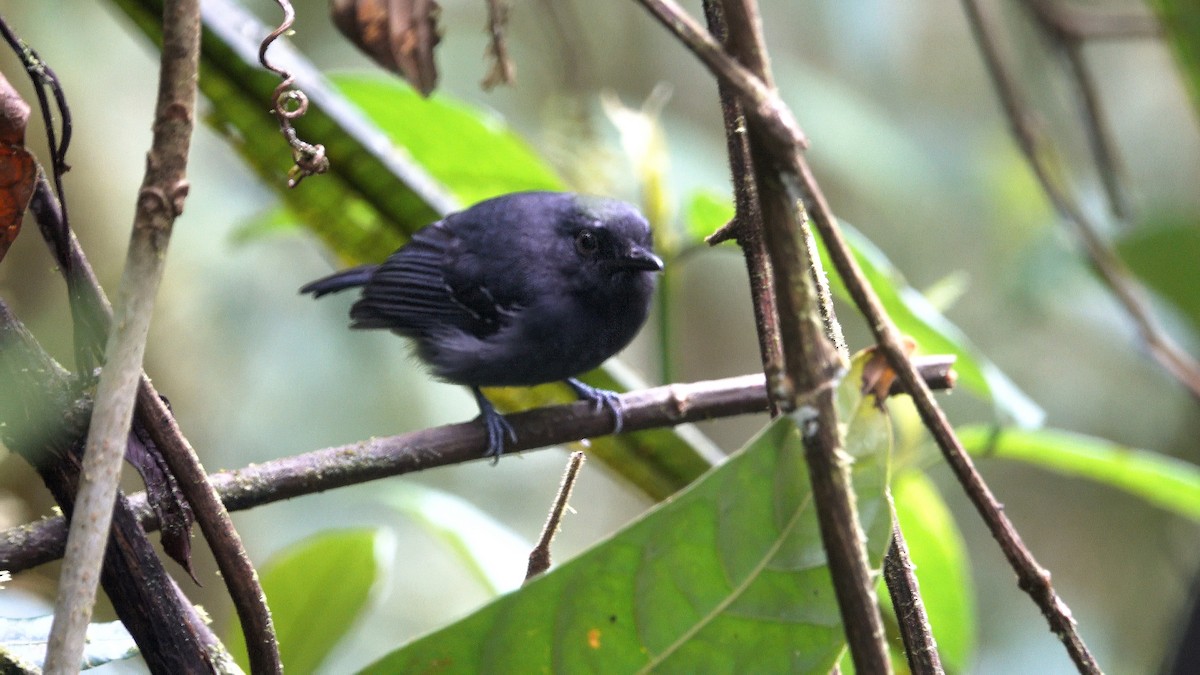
470,151
707,211
1164,256
315,589
727,576
1163,481
943,569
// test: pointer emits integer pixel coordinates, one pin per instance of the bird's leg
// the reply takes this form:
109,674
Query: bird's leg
601,398
497,427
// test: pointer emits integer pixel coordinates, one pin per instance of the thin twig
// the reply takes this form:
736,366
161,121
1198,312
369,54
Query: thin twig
919,645
1069,43
1083,22
160,201
1128,292
287,104
539,557
36,543
211,514
756,94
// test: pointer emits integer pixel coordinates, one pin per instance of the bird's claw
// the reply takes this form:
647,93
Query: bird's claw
600,399
496,426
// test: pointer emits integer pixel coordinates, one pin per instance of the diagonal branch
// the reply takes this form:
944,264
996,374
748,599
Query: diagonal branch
1032,577
1128,292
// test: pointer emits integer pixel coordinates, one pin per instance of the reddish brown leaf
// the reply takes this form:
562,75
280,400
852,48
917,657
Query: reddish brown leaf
18,169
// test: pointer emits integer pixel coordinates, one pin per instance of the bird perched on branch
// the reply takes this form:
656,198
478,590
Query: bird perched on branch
519,290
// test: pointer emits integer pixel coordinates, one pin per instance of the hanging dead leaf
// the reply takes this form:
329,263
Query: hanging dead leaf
503,71
397,34
18,169
877,374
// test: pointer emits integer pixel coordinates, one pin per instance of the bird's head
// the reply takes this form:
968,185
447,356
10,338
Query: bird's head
611,242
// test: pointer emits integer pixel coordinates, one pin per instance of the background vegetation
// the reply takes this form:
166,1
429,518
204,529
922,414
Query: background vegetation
910,145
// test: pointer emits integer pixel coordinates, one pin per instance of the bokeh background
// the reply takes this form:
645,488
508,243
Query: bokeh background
910,146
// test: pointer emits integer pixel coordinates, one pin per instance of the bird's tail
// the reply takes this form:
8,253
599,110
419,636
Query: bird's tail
340,281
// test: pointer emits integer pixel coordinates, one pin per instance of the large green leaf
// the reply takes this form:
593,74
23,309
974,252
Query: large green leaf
315,589
471,152
943,569
1166,482
727,576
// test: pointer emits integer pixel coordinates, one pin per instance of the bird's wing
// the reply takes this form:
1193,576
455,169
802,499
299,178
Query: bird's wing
421,287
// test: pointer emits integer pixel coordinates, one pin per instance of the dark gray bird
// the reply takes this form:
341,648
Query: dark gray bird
519,290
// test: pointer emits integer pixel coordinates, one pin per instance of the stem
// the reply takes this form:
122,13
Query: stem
919,645
539,557
160,200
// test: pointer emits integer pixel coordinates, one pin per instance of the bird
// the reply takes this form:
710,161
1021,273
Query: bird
515,291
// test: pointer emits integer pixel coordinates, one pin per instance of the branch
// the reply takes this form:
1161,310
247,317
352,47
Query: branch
755,92
1068,28
1094,23
40,542
1128,292
1032,578
811,362
93,317
43,418
919,645
539,557
160,200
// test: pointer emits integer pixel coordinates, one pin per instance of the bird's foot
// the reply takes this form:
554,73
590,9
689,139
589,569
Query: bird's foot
601,398
496,426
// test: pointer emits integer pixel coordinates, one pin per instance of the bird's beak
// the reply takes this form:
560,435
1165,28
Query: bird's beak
638,259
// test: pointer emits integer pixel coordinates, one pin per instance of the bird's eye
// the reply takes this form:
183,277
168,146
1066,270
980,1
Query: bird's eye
586,242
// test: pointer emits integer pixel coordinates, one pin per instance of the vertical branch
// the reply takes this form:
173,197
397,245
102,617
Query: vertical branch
803,365
919,645
746,226
784,149
160,200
